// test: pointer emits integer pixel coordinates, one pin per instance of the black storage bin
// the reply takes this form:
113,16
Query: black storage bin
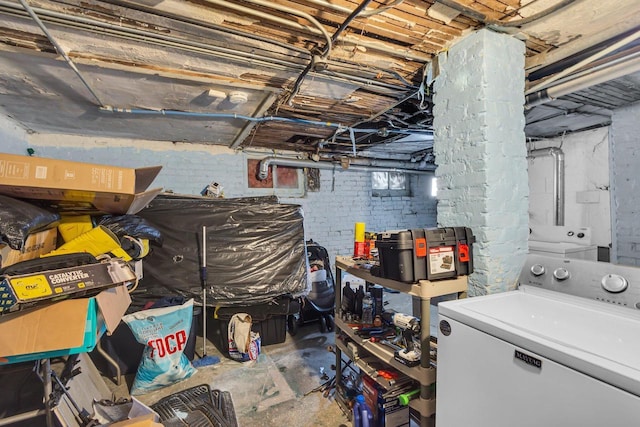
396,256
449,252
431,254
268,319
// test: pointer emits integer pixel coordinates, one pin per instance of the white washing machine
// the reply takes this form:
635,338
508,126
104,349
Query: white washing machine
562,350
562,241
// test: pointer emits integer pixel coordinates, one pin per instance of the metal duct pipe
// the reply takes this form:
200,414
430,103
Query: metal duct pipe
558,180
295,163
600,54
590,78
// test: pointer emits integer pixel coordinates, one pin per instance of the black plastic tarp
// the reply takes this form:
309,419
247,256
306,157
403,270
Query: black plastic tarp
255,250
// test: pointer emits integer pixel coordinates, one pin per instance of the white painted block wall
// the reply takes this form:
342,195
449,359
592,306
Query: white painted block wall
625,185
330,214
13,138
587,202
481,154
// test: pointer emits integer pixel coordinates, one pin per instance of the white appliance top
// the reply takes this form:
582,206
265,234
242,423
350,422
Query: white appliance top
560,234
558,247
588,328
596,339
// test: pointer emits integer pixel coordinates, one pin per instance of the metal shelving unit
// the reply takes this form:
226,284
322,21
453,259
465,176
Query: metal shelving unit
424,290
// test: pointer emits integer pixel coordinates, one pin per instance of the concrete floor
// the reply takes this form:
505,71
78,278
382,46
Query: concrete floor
271,391
275,390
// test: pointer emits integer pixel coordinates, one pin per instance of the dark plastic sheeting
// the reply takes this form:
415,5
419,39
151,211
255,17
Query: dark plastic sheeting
255,250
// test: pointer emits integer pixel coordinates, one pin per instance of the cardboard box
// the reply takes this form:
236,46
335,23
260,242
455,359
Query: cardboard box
35,245
385,404
67,327
27,290
78,187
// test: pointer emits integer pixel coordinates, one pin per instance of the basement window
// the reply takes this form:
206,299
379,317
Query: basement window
281,181
386,184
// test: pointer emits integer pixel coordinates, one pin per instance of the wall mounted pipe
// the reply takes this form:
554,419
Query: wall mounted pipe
558,180
59,48
294,163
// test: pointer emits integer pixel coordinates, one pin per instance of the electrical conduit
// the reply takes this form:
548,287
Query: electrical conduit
281,8
110,109
59,48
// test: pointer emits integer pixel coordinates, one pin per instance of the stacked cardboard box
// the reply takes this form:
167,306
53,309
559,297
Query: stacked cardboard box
35,245
384,400
76,186
64,310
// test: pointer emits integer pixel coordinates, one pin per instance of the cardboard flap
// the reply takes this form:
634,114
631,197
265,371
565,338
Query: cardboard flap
113,303
141,200
33,331
124,203
145,176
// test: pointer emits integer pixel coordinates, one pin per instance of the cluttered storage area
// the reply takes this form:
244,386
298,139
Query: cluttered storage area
319,213
121,304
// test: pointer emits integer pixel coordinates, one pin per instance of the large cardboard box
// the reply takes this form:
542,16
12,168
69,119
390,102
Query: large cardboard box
27,290
78,187
35,245
67,327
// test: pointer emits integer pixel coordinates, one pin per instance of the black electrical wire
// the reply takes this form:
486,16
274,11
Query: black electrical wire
325,50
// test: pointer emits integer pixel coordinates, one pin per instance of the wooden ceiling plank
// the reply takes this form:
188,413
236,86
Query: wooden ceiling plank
400,18
303,37
497,6
376,26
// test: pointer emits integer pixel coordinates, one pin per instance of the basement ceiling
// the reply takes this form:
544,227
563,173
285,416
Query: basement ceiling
322,77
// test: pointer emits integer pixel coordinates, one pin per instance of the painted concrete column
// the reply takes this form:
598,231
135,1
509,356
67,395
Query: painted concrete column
623,170
481,154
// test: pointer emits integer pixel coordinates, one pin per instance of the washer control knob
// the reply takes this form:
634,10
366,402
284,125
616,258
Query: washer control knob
537,270
614,283
561,273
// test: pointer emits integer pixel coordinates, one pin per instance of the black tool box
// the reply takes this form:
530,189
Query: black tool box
396,255
431,254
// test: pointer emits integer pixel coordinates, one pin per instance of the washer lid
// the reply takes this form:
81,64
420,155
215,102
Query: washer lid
597,339
558,248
